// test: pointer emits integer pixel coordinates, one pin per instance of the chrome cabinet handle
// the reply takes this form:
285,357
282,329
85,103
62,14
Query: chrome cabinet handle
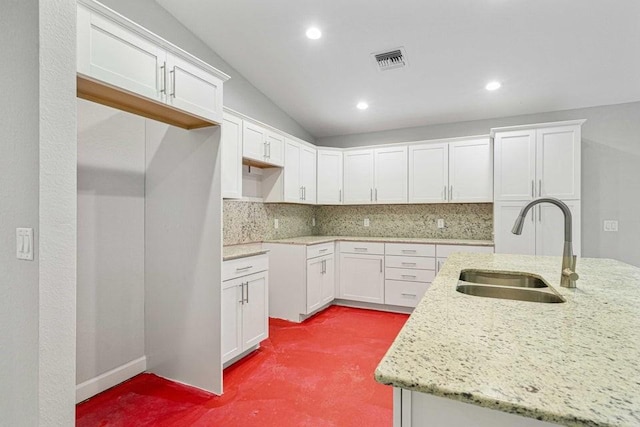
371,194
163,69
269,147
408,251
304,193
323,250
360,249
408,263
410,276
539,213
244,268
539,188
340,195
247,285
173,84
376,194
408,295
380,266
241,293
301,193
533,191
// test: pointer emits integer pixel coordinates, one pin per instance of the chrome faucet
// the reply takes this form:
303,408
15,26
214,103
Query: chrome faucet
569,275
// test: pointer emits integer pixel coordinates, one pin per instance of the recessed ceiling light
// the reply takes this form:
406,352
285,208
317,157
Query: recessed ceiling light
314,33
362,105
493,85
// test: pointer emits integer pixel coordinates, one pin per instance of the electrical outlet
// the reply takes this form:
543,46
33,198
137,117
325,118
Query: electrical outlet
440,223
610,225
366,222
313,222
276,224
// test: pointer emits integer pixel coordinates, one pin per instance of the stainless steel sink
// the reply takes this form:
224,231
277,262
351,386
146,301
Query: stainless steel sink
519,294
519,280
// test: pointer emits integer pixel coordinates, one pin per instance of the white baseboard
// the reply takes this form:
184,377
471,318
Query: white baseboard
107,380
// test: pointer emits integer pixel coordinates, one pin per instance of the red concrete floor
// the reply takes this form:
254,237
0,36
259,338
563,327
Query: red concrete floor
318,373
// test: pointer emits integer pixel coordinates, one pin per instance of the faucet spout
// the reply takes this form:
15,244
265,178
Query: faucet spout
568,274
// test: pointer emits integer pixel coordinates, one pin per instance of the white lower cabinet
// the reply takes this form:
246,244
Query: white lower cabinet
410,269
245,314
320,282
302,279
362,272
416,409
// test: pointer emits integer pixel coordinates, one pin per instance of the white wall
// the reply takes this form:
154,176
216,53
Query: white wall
183,252
239,93
111,168
37,190
610,172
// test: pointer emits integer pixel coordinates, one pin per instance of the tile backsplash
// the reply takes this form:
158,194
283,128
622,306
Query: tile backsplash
246,222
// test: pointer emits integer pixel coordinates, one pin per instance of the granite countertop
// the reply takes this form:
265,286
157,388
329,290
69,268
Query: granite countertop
574,363
314,240
242,251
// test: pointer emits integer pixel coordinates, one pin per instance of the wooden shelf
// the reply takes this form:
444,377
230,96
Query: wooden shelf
104,94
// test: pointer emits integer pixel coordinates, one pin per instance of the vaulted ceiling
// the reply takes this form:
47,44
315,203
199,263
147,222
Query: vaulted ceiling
548,55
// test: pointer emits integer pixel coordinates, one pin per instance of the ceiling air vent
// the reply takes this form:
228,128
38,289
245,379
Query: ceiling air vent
389,60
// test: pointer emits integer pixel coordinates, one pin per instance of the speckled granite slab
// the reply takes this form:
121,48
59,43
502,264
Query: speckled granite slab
576,363
314,240
242,251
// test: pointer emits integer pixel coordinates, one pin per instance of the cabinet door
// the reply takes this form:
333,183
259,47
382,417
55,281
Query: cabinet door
113,54
358,177
231,156
515,165
275,148
254,141
308,174
362,278
255,311
329,177
231,319
428,173
329,280
558,162
192,89
292,185
505,214
390,175
471,171
315,276
550,228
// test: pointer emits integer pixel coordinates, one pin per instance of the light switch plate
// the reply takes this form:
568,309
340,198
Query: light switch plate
610,225
366,222
24,244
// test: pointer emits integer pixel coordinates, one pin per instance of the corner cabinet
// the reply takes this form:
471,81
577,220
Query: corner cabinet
329,186
122,65
245,305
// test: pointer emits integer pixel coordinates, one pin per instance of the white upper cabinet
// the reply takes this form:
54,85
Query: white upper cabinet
308,174
550,229
192,89
515,165
329,177
428,173
558,162
358,176
292,184
539,161
122,65
262,145
471,171
459,171
390,175
231,156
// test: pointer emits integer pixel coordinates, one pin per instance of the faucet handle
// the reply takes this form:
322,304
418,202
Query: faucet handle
570,274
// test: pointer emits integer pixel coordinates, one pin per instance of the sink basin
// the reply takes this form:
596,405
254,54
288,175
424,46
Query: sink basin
519,280
519,294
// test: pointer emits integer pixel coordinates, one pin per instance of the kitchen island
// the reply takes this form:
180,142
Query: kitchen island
573,363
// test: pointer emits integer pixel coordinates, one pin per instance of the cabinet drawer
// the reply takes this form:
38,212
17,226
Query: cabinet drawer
420,263
446,250
314,251
410,275
408,249
362,248
244,266
405,294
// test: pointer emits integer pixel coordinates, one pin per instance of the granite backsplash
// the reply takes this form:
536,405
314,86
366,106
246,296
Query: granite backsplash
246,222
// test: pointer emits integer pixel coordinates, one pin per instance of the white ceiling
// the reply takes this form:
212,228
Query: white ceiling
549,55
